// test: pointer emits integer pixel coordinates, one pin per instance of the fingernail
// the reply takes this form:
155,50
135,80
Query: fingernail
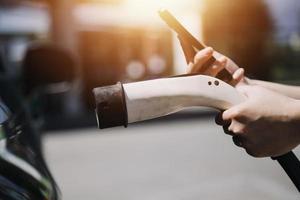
235,75
238,73
208,50
224,115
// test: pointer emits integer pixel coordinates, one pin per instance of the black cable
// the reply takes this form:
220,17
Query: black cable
291,165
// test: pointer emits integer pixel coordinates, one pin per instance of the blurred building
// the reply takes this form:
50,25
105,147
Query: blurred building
261,36
115,48
242,30
286,44
19,25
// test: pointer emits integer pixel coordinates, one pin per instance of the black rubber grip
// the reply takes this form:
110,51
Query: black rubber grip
111,110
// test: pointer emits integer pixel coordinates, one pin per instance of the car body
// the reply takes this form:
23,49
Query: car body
24,174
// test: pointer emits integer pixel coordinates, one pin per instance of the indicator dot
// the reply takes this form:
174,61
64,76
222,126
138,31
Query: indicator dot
217,83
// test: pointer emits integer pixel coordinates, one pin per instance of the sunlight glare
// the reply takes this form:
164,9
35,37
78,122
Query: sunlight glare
145,7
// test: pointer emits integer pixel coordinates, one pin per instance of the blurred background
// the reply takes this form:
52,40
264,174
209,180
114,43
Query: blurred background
56,51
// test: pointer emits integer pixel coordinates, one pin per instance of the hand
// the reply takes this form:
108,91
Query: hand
221,62
266,124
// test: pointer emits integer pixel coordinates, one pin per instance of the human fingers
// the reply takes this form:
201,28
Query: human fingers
231,67
200,59
237,76
233,112
234,128
218,66
237,128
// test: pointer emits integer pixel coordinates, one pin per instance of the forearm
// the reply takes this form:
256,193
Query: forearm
288,90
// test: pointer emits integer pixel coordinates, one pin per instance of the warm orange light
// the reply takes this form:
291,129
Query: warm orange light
150,6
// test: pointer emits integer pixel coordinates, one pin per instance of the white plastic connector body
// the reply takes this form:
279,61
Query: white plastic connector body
155,98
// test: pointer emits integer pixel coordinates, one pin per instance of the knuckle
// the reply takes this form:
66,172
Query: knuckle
236,112
235,129
238,130
240,110
223,60
214,67
196,59
199,56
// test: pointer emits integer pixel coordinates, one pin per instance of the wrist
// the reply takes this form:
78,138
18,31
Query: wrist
294,109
